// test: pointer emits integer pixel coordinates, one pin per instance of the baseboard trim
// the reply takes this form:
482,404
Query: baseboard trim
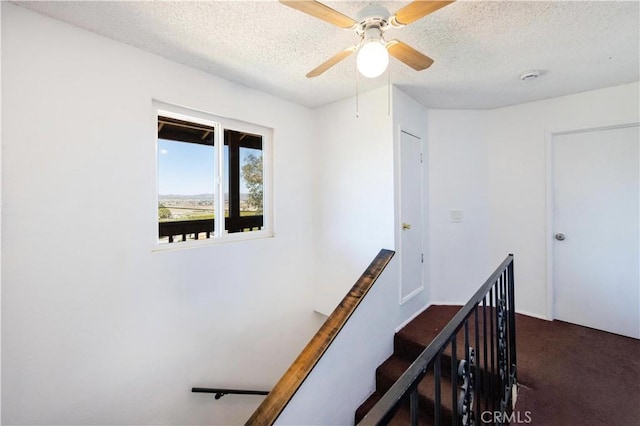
448,303
529,314
401,326
519,311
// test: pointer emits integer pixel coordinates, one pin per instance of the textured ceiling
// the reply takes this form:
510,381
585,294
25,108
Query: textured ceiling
480,48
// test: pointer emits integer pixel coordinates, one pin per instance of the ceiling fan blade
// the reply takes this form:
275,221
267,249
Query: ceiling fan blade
416,10
407,54
321,11
331,62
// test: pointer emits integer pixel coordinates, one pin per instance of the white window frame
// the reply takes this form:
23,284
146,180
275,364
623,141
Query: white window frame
220,124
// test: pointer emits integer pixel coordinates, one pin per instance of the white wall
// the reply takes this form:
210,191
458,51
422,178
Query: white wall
356,170
355,216
492,164
517,176
353,192
458,181
345,376
97,328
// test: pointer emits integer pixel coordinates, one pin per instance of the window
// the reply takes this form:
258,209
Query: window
212,181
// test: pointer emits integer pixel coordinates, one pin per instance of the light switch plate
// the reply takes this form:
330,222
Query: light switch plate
456,216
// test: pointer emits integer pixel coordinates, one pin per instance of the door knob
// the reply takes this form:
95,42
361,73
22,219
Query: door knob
406,226
560,236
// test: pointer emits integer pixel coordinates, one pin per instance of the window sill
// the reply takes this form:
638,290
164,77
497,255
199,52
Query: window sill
229,238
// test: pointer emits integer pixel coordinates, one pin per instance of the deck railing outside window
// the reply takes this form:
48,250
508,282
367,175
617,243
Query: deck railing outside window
184,230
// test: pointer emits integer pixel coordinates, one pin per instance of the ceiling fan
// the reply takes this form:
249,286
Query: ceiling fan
370,24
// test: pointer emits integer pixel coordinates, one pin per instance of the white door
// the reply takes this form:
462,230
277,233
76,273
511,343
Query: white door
411,256
596,255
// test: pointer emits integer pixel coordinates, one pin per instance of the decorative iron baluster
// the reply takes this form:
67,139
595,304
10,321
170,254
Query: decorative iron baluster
467,394
502,340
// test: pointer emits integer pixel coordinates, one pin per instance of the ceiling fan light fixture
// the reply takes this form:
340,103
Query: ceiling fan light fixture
373,57
371,23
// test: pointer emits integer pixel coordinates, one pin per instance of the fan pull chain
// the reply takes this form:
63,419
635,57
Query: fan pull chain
389,90
357,100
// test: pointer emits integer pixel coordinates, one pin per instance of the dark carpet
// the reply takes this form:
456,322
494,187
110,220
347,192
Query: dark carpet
568,375
573,375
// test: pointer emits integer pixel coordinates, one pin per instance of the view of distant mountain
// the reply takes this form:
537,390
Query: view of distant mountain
186,197
162,197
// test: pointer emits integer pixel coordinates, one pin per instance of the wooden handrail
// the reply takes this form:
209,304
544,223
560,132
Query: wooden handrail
287,386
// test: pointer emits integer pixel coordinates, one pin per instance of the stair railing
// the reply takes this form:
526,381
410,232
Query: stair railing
273,405
220,392
483,379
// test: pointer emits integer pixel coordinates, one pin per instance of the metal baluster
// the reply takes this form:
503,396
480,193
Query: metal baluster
463,375
493,370
500,333
512,339
466,378
507,323
485,358
454,380
465,402
436,375
504,369
502,344
414,405
477,364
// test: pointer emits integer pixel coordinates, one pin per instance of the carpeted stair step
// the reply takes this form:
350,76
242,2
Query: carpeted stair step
419,333
391,370
416,336
401,418
408,345
388,372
